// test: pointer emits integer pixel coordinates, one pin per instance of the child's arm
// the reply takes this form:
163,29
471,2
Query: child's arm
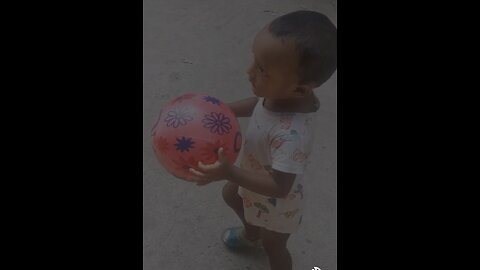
244,107
277,184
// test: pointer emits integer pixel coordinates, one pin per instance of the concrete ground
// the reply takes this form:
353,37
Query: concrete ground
204,46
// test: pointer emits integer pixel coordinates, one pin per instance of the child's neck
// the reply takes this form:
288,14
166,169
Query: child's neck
307,104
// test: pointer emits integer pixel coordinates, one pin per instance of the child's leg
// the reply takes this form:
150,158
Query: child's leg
275,245
234,200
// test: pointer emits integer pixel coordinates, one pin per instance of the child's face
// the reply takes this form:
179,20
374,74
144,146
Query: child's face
274,71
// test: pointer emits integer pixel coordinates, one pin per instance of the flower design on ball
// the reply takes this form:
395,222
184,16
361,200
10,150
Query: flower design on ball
184,144
212,100
217,123
179,116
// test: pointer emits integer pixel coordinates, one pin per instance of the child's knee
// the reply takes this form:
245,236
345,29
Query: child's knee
269,243
274,248
230,195
274,243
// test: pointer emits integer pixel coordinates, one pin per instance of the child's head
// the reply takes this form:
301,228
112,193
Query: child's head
294,54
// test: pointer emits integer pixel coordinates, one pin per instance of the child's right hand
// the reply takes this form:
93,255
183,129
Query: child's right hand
220,170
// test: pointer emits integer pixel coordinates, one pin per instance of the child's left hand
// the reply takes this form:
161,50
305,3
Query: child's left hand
219,170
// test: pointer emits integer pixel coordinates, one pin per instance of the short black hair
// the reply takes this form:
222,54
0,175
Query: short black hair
315,38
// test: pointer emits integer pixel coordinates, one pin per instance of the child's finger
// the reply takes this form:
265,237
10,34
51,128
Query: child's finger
207,167
221,155
195,172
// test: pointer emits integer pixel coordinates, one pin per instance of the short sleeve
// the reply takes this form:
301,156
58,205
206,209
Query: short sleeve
288,152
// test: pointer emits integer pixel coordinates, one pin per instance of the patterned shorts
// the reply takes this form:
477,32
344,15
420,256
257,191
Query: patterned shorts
283,215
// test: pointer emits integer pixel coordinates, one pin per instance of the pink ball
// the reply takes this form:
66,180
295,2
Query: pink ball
192,128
